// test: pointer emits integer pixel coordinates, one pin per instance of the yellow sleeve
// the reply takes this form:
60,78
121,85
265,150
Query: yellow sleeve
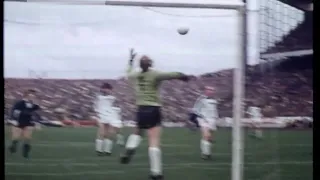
160,76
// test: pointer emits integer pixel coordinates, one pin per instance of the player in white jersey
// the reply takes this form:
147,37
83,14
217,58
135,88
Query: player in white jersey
207,115
255,115
193,116
108,120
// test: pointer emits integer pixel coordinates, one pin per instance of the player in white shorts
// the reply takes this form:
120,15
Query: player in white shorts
256,117
206,108
106,119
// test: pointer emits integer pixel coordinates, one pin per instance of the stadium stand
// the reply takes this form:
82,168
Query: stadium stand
288,87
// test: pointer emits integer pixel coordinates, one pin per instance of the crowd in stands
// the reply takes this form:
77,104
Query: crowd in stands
287,88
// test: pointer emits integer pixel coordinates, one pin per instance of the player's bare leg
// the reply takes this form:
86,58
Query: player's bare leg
257,132
108,140
100,138
132,144
206,143
37,126
119,137
16,134
155,155
111,134
27,136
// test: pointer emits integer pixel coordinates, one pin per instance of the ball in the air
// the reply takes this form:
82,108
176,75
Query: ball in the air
183,31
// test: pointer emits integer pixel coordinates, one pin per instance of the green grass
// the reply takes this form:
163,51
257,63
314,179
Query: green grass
68,154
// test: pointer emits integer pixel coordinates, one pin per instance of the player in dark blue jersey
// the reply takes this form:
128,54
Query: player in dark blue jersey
22,115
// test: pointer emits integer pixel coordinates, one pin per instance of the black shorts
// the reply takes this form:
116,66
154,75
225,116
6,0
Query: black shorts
22,123
194,119
148,117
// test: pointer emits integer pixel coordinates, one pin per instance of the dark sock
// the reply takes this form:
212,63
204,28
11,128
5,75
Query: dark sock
26,150
126,158
13,146
197,124
14,143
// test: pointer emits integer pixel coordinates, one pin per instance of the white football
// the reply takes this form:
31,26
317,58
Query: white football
183,31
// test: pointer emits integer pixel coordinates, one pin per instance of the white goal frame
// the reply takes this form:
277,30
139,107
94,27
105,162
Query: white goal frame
238,89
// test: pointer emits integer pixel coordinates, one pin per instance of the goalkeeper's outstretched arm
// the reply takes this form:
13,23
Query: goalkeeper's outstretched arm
160,76
146,63
130,73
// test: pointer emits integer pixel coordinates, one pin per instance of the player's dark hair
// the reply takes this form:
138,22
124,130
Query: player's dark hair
106,86
145,63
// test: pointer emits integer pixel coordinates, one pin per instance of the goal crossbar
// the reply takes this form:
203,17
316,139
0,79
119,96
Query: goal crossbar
237,6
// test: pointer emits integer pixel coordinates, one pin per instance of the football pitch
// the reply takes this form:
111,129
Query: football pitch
68,154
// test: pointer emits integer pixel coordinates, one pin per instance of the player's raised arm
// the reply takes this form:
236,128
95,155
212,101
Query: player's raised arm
130,72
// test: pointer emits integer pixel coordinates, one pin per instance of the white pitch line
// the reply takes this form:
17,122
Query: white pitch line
146,164
79,143
95,158
66,173
166,166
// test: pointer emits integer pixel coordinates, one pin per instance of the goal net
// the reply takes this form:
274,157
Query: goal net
281,85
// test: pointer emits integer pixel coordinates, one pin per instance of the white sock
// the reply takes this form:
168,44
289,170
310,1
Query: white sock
155,161
258,133
205,147
107,145
133,141
99,144
120,139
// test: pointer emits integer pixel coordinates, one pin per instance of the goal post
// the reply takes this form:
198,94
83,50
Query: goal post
239,71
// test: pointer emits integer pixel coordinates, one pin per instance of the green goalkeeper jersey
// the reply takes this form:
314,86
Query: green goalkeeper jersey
147,85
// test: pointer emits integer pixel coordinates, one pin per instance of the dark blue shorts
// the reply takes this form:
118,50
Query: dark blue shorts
194,119
148,117
22,123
